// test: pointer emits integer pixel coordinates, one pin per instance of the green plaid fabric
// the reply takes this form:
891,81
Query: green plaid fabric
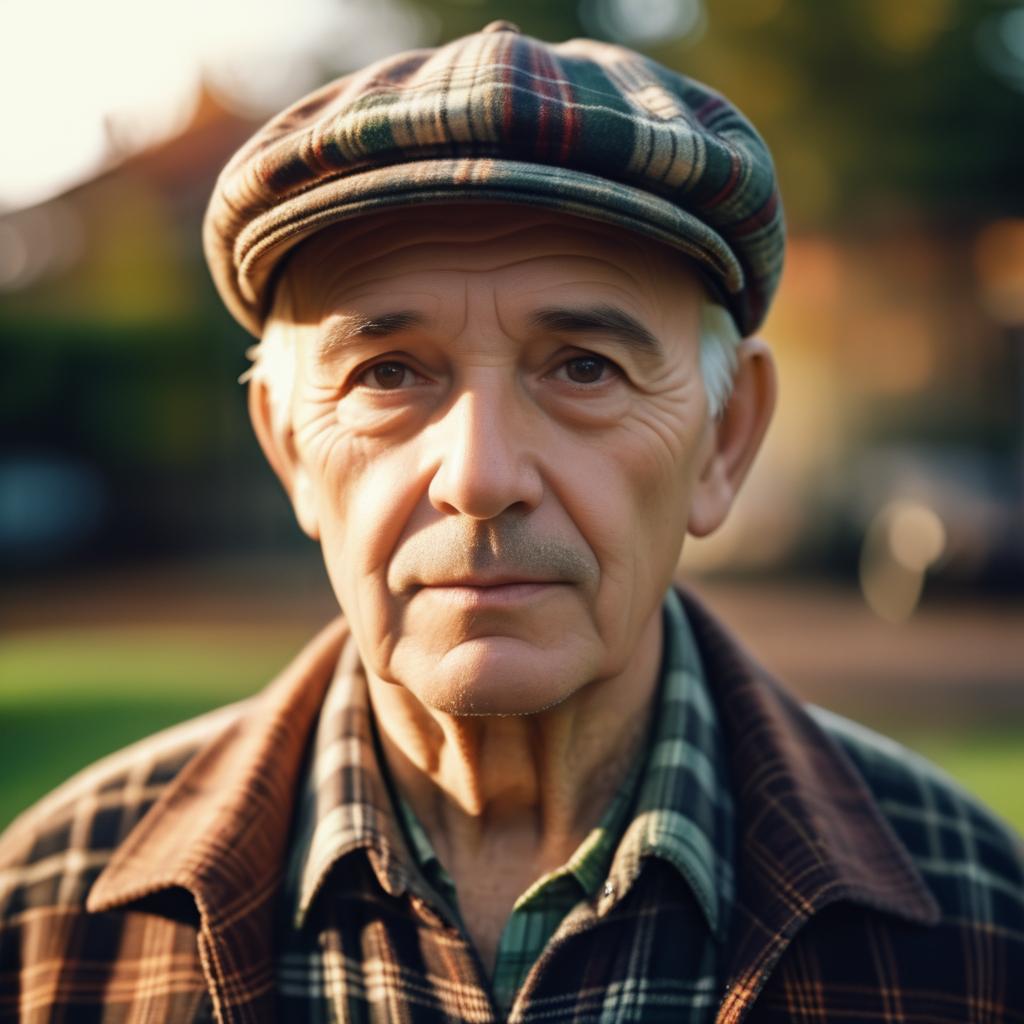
683,767
869,887
582,127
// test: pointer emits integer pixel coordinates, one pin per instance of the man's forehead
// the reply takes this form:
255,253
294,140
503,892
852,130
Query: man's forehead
373,254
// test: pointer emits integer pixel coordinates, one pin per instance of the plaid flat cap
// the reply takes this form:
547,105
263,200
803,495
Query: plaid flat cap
583,127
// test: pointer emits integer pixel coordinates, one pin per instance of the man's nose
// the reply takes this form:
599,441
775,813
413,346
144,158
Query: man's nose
486,463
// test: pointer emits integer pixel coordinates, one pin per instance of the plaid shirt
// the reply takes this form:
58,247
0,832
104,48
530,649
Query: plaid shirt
869,886
540,909
683,815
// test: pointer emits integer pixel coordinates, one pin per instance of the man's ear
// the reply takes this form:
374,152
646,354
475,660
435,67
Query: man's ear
275,436
731,442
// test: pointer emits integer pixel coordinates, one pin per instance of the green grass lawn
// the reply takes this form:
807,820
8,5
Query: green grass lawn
69,697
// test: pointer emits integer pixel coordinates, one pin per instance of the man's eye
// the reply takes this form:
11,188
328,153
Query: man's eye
588,369
387,376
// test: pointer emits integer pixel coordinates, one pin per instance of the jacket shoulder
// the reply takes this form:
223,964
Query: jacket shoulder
53,851
971,859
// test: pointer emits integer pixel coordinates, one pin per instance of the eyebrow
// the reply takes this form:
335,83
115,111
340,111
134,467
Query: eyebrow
616,324
610,321
342,331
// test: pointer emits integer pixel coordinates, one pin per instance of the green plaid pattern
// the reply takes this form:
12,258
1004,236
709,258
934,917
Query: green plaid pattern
684,811
581,127
869,887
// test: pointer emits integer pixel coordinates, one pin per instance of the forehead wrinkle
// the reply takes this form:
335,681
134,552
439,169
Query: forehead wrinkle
509,263
330,259
325,303
644,306
639,293
640,284
416,294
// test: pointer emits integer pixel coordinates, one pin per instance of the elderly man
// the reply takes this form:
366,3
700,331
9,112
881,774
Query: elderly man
505,293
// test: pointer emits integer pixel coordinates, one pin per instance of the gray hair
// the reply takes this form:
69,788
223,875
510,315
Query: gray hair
273,359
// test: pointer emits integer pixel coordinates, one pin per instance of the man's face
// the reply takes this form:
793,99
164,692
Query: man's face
499,423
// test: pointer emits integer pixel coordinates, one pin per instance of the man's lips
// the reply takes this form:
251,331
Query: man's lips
489,591
489,580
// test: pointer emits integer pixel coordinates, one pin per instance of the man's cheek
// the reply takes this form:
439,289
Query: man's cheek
645,474
636,529
337,462
337,483
659,466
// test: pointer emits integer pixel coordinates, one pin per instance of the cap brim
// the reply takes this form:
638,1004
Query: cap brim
261,245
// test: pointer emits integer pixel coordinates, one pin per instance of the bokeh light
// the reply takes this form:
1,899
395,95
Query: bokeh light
902,542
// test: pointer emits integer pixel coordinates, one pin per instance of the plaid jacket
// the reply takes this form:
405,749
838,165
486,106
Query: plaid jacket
869,886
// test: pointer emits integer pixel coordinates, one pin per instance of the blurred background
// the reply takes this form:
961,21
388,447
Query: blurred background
150,567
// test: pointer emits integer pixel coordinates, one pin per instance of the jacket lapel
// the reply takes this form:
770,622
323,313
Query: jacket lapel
219,832
810,832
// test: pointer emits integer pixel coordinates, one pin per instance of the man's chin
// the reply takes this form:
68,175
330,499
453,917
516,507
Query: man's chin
498,676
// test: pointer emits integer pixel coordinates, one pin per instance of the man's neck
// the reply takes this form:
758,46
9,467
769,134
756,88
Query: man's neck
504,800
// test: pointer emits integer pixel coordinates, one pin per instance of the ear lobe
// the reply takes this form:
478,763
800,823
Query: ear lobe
278,444
735,438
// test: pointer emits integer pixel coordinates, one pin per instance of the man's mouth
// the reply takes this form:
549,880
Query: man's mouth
490,590
491,579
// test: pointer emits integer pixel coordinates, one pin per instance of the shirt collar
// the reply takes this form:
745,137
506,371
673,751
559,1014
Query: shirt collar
684,813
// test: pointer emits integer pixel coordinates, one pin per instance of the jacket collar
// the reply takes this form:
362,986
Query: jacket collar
810,833
219,831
